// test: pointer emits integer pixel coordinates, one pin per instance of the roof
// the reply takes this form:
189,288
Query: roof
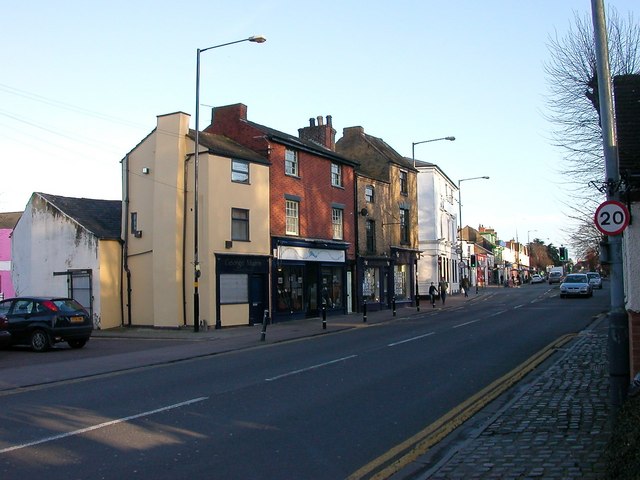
103,218
422,164
225,147
304,145
9,219
373,154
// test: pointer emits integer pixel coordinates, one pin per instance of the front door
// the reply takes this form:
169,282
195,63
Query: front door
311,283
257,298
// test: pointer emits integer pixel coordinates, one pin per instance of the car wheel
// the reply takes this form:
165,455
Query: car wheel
78,343
40,341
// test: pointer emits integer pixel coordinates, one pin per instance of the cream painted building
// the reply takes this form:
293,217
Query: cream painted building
158,228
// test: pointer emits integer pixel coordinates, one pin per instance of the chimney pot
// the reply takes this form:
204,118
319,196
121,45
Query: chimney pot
312,122
329,121
320,121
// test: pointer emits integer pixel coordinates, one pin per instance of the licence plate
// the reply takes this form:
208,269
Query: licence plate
77,319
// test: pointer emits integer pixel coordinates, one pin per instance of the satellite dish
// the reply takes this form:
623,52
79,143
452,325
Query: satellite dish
364,212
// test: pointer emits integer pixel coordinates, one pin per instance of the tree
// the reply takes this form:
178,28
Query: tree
539,258
573,109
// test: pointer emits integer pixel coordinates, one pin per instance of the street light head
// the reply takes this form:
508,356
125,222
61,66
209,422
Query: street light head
257,39
486,178
451,139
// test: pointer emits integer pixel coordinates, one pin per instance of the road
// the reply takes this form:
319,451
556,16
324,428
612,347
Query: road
322,407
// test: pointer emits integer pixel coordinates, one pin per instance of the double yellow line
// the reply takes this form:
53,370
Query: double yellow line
411,449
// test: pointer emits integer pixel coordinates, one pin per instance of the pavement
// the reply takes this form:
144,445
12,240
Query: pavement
553,424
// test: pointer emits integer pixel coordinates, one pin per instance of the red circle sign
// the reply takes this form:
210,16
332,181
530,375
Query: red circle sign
611,217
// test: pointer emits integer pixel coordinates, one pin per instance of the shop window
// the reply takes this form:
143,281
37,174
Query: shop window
332,287
290,297
371,285
400,282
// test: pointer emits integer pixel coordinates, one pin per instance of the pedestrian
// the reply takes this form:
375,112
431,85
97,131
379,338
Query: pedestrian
432,294
464,285
443,291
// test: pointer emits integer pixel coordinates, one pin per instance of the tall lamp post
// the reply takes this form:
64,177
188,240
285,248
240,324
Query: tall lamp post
196,260
413,146
460,216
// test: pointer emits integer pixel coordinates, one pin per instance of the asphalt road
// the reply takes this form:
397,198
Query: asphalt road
317,408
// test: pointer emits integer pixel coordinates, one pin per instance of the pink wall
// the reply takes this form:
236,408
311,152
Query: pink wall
6,286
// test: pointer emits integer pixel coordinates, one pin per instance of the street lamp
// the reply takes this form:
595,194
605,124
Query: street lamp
529,249
196,262
413,146
460,216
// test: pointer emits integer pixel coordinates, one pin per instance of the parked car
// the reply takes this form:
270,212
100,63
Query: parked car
5,336
43,321
555,277
595,280
535,278
576,284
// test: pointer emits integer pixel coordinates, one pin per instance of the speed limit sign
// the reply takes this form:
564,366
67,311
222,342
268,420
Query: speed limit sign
611,217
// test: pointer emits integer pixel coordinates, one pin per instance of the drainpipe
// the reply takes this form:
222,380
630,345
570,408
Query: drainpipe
125,245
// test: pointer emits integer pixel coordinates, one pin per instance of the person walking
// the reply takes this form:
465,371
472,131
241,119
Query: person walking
433,291
443,290
464,285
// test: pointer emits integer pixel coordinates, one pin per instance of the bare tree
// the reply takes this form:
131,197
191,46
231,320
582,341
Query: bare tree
573,109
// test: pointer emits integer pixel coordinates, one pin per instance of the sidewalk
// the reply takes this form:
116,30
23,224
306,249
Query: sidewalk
556,426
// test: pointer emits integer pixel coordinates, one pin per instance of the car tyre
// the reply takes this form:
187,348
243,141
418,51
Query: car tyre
40,341
78,343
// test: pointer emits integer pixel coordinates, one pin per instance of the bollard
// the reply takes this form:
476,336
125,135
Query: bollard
364,312
418,303
265,319
393,305
324,315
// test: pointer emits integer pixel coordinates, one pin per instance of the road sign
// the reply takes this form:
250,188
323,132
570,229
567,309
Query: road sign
611,217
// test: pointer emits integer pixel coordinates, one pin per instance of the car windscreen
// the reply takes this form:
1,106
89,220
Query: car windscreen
576,279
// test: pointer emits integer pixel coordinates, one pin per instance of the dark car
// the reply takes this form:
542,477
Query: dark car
43,321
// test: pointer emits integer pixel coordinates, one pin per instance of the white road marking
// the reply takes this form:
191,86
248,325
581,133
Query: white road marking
411,339
101,425
497,313
467,323
313,367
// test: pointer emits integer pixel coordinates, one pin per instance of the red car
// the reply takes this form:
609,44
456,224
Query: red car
43,321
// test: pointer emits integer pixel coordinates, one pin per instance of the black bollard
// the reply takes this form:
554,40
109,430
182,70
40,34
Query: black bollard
364,312
324,315
265,319
393,305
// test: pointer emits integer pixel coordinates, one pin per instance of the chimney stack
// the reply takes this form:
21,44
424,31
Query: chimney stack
322,134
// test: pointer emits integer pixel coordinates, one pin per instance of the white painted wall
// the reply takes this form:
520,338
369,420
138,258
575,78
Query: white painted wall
46,241
437,224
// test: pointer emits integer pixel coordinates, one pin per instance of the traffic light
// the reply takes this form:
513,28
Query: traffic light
473,260
563,253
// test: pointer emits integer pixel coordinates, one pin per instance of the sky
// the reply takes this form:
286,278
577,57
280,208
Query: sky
82,83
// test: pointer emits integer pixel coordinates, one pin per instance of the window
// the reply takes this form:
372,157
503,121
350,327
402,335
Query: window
404,225
336,220
336,175
292,220
400,282
370,228
134,222
291,162
369,193
240,224
234,288
403,183
239,171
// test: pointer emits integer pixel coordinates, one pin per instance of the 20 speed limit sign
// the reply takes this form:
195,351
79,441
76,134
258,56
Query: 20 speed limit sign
611,217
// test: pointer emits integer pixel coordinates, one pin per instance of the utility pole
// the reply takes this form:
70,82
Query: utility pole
618,341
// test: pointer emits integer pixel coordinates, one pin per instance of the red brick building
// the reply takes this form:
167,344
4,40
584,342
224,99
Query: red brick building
312,212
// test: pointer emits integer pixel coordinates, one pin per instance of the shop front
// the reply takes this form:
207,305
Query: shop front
307,277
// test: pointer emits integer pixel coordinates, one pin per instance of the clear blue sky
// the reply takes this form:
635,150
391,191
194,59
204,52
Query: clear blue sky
82,84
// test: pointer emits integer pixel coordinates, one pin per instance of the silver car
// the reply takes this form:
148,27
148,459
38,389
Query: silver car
595,280
576,284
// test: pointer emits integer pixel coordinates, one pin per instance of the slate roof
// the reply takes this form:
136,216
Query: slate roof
103,218
373,154
225,147
8,220
304,145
